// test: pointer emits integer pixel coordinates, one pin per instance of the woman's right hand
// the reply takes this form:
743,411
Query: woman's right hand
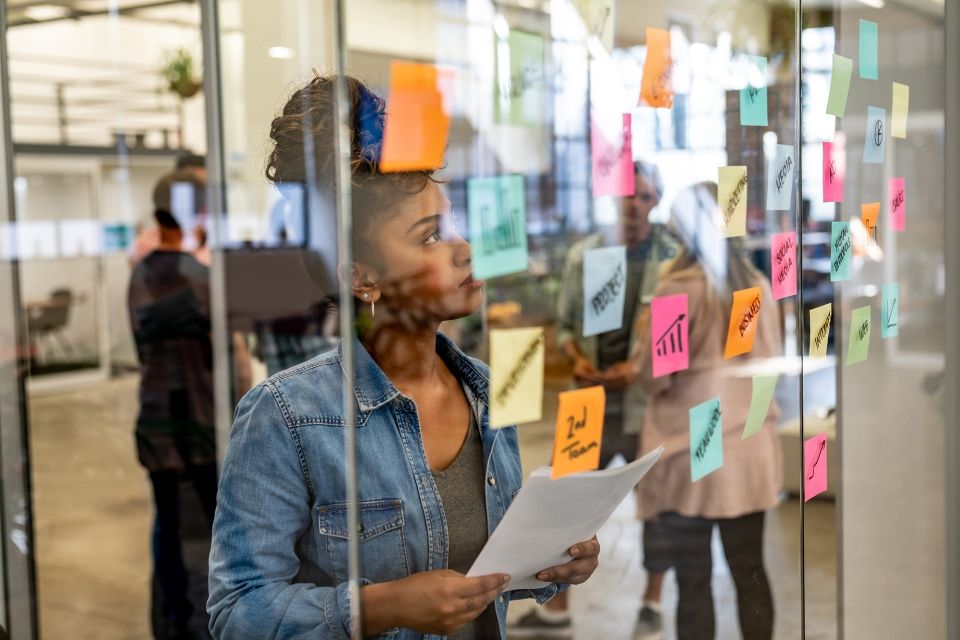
585,373
436,602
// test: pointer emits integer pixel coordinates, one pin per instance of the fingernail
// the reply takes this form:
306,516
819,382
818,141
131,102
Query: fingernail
504,579
543,577
575,550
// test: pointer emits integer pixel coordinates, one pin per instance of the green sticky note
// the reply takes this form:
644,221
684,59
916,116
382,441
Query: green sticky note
498,225
868,50
763,388
518,91
890,311
753,99
859,343
839,85
841,251
706,438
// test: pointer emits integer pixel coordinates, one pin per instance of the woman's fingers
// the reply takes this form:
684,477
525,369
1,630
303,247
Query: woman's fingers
482,585
585,555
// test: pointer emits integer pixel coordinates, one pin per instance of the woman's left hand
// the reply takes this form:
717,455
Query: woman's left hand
586,557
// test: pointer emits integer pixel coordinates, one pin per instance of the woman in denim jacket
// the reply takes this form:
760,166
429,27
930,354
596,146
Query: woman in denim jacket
434,478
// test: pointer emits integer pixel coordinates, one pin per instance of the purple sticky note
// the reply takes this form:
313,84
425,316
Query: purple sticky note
669,325
834,171
814,466
612,162
783,264
897,198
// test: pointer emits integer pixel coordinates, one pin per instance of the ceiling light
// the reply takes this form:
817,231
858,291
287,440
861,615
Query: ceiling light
42,12
876,4
281,53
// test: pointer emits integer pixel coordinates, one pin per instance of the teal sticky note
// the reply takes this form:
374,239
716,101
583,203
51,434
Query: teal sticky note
858,345
498,225
839,85
841,250
706,438
875,139
868,50
753,99
763,388
890,311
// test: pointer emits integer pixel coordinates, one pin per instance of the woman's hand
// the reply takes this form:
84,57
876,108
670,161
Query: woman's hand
585,373
586,557
621,375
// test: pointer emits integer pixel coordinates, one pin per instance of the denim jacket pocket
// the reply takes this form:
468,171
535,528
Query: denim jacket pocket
383,553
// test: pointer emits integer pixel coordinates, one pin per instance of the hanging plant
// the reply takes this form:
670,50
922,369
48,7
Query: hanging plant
179,73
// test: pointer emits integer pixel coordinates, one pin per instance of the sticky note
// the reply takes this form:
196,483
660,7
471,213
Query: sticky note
519,79
612,161
890,310
780,179
417,122
656,86
839,85
669,327
753,98
576,443
870,216
858,344
706,438
897,197
876,139
763,388
783,264
820,318
834,171
732,196
744,317
841,251
516,376
498,228
901,105
604,287
814,466
868,50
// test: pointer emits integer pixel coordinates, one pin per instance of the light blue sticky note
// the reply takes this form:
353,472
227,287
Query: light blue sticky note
890,311
604,289
780,179
876,136
841,251
706,438
498,225
753,99
868,50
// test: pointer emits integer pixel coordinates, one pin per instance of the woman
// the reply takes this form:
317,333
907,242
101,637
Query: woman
735,496
434,479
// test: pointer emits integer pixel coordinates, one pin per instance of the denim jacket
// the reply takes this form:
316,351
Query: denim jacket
278,562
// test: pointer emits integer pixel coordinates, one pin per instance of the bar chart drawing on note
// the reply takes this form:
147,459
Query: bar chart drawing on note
671,340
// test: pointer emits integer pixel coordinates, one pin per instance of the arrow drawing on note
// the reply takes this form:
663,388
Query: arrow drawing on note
890,311
813,467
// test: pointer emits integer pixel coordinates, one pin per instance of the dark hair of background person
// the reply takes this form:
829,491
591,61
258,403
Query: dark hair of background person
190,160
161,196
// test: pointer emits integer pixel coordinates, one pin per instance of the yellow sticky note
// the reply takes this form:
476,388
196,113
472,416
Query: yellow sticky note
417,123
656,86
576,445
820,318
744,317
516,376
901,105
732,198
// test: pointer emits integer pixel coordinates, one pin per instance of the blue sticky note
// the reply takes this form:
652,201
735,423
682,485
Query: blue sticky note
841,251
498,225
706,438
780,179
604,289
876,136
753,99
868,50
890,311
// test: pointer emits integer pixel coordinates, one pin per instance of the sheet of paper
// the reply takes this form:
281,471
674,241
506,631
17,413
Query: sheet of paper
820,318
706,438
519,79
783,264
890,310
498,225
834,171
780,179
839,85
868,50
744,318
897,197
418,122
549,516
901,105
858,343
870,216
669,327
763,388
732,197
612,161
753,98
875,140
841,251
516,376
604,287
814,466
656,86
579,432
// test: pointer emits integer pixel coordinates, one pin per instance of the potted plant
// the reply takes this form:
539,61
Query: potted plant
179,73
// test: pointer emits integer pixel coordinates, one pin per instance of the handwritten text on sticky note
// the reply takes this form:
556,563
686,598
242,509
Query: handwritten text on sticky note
604,285
875,140
732,196
576,443
834,171
783,264
841,251
516,376
890,310
760,400
839,85
498,228
901,106
897,198
780,179
706,438
656,86
814,466
612,161
820,318
520,78
744,318
870,216
417,122
858,343
753,98
669,327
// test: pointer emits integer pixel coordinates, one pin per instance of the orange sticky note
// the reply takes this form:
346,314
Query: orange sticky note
656,87
576,445
869,215
417,122
744,316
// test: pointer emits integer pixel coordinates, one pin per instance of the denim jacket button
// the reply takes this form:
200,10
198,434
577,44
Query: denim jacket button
491,480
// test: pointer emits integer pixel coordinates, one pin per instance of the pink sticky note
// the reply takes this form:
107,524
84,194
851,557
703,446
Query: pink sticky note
897,199
783,264
814,466
612,162
834,170
669,325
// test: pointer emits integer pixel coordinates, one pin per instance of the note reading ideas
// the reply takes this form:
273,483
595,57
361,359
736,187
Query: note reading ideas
858,344
706,438
744,318
498,225
669,330
604,285
814,466
732,197
576,443
417,123
516,376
